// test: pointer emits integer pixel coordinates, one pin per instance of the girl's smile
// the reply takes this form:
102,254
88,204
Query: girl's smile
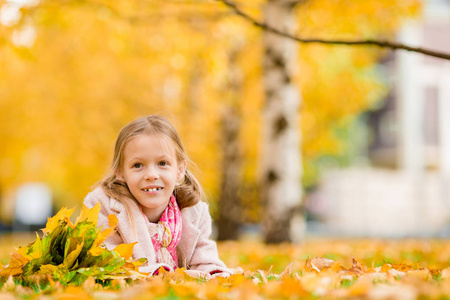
151,171
151,190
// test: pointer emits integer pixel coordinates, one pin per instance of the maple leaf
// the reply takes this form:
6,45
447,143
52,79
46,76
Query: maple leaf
33,251
357,268
103,235
317,264
52,223
125,250
15,266
89,214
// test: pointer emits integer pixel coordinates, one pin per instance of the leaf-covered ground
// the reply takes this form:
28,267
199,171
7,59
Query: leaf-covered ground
317,269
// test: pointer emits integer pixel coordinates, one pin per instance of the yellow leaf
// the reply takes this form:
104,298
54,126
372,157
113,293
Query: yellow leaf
113,221
96,251
72,256
63,214
23,252
89,214
102,236
35,248
47,269
125,250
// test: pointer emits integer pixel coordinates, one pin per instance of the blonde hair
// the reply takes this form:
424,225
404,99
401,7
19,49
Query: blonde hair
188,193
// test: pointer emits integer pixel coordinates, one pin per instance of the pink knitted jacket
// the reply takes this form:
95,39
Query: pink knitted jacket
196,251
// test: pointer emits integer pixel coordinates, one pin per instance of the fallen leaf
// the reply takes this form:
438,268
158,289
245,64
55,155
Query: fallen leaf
317,264
287,271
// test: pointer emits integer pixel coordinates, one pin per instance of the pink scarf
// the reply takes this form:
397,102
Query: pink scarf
166,233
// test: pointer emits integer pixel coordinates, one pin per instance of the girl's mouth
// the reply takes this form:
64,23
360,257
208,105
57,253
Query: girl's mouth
152,189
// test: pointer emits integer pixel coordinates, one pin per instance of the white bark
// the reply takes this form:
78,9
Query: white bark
281,160
444,120
411,105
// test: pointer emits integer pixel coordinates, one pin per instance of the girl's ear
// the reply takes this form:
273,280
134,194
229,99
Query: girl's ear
181,170
119,176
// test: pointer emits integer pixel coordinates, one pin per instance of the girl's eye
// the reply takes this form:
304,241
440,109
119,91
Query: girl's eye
163,163
137,165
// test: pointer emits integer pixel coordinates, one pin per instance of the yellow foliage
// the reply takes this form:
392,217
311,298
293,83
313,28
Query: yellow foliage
85,79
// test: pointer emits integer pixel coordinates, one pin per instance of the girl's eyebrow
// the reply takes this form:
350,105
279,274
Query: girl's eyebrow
164,156
135,158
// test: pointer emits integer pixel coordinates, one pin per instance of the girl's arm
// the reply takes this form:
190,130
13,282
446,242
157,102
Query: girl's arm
205,257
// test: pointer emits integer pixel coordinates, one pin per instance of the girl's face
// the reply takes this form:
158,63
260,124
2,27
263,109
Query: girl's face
151,171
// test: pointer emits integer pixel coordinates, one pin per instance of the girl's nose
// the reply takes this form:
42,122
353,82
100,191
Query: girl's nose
151,174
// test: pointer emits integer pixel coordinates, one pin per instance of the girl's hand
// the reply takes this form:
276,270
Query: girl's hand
205,276
197,274
153,269
220,274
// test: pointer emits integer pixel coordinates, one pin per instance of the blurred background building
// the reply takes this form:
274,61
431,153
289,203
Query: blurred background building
400,184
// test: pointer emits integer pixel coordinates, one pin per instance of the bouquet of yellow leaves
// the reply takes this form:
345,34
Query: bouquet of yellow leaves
72,252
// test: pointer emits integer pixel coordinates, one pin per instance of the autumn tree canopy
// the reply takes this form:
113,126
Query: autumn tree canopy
74,72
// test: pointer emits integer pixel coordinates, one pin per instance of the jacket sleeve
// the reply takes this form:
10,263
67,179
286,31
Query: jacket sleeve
205,257
98,197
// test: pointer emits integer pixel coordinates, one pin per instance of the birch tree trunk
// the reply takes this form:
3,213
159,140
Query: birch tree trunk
230,207
230,204
281,190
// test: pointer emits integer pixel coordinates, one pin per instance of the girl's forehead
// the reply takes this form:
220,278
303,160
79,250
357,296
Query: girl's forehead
154,141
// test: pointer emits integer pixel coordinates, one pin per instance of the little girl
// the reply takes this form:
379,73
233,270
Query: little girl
157,201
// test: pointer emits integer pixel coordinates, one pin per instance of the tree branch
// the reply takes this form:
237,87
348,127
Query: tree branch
378,43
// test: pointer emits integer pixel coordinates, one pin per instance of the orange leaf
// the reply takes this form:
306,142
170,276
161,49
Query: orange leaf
15,266
357,268
287,271
317,264
125,250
